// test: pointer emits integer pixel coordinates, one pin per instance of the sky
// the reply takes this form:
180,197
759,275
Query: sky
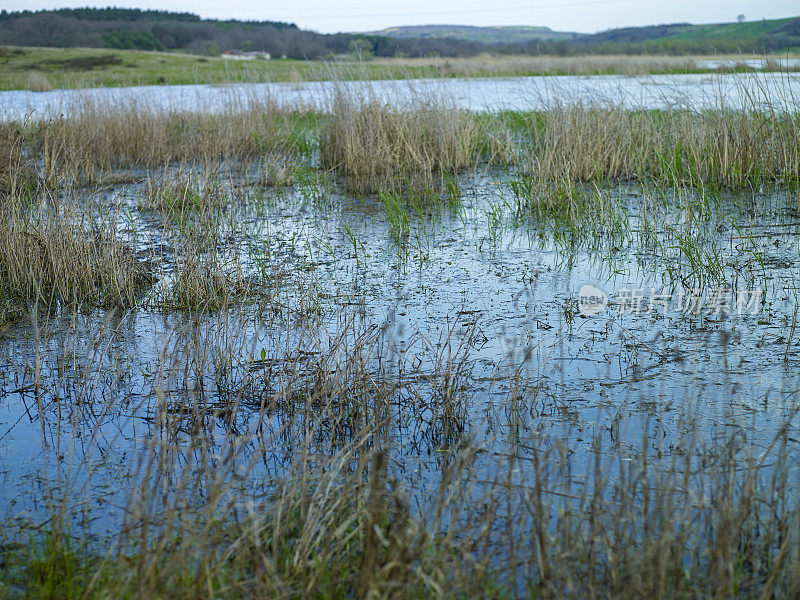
587,16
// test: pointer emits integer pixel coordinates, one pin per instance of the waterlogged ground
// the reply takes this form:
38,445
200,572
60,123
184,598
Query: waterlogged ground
482,307
769,91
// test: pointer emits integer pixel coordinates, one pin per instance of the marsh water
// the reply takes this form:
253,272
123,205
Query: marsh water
471,288
771,91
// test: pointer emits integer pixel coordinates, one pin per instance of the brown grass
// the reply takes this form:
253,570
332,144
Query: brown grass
377,146
38,82
99,138
56,252
719,148
513,66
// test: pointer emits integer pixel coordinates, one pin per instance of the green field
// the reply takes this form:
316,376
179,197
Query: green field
747,36
738,31
40,68
43,69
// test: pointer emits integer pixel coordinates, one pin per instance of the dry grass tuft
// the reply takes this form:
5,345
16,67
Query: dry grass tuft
377,146
186,190
50,252
38,82
99,138
205,277
719,148
277,171
204,282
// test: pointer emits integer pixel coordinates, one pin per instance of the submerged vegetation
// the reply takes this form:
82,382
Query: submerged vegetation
337,351
349,531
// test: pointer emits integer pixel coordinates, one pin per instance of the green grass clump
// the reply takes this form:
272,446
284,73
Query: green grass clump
570,213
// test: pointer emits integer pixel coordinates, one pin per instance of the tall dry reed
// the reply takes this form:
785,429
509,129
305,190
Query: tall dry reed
484,65
379,146
97,138
378,141
717,148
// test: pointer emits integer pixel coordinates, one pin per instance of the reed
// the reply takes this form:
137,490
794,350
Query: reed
378,146
51,252
98,138
713,149
488,65
376,141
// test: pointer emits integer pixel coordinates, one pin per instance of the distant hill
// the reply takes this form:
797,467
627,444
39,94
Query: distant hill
771,33
674,38
511,34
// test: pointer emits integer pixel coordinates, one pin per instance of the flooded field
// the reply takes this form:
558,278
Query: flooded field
543,353
696,92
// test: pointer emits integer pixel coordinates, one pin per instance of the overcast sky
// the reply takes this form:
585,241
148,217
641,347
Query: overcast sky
366,15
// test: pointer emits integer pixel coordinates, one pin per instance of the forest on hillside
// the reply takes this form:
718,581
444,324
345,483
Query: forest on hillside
117,28
120,28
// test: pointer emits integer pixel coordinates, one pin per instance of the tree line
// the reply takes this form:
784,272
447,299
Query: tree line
160,30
